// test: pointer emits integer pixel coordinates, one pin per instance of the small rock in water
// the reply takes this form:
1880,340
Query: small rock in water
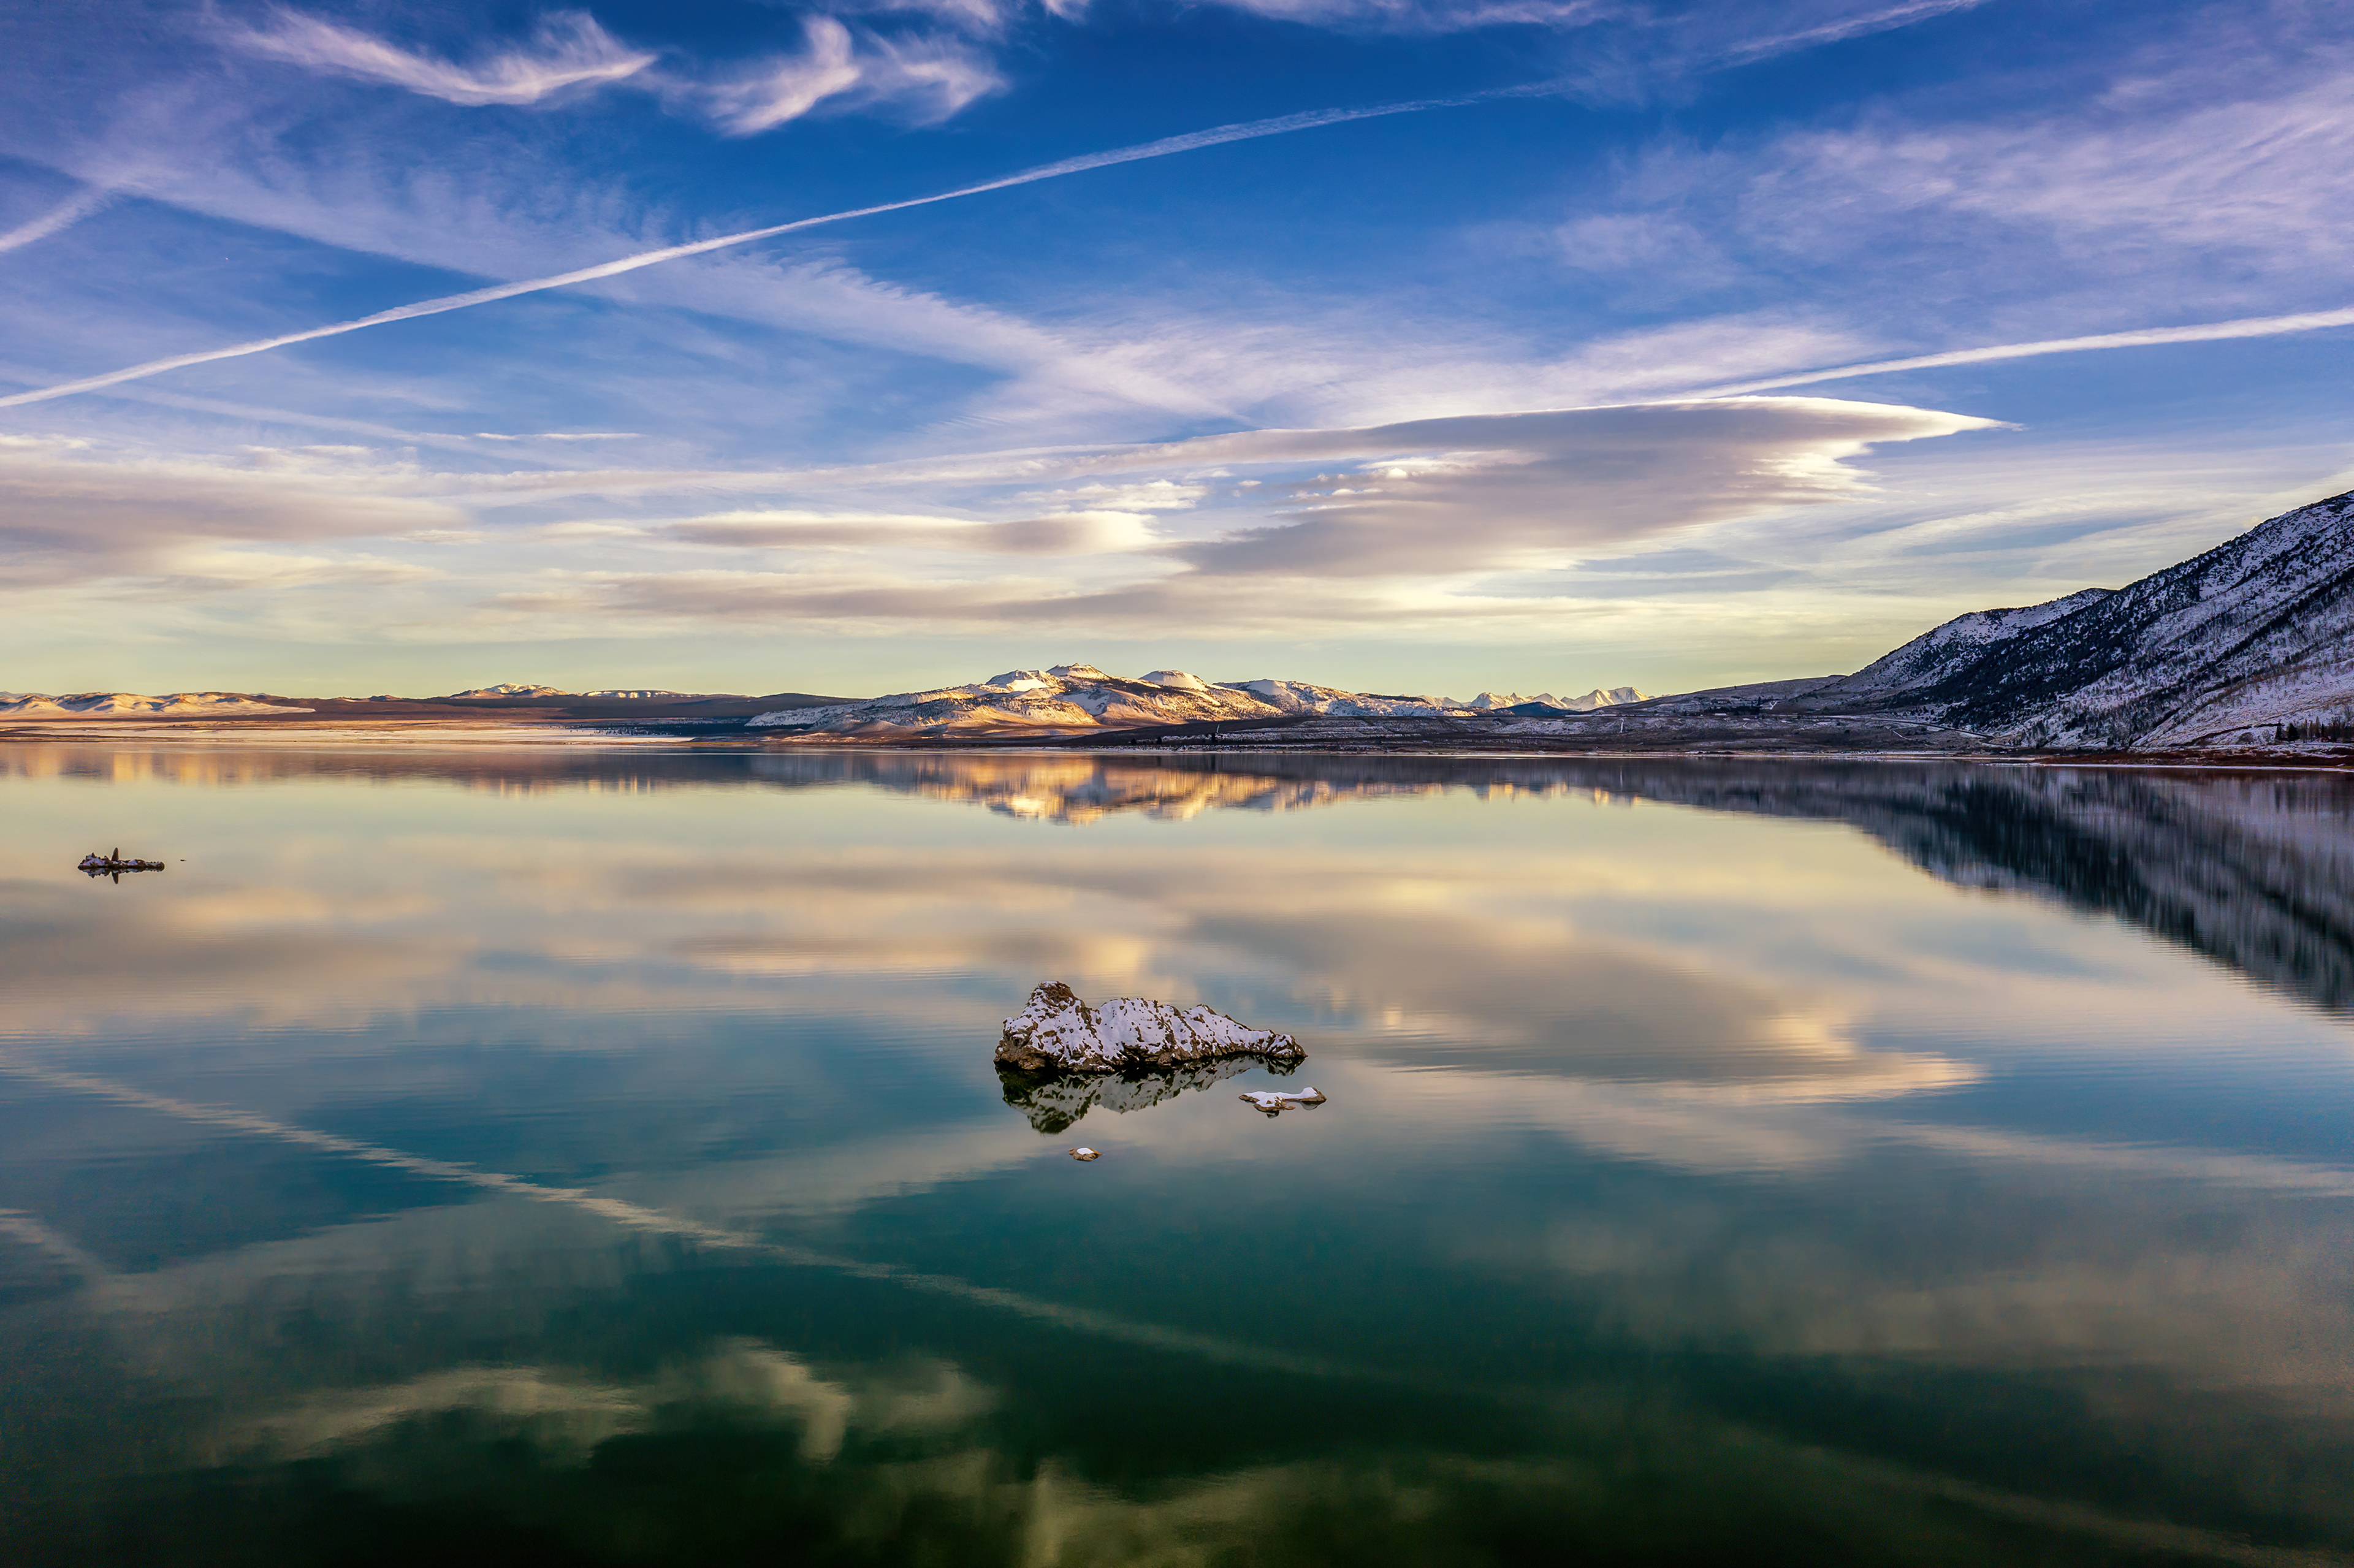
1084,1152
1058,1033
1275,1104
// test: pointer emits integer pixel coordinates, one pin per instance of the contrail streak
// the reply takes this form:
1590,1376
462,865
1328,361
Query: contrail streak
2209,331
1851,28
1191,142
638,1217
63,216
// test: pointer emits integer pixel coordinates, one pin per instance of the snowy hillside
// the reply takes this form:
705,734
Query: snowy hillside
1070,698
510,689
2223,648
1935,655
130,704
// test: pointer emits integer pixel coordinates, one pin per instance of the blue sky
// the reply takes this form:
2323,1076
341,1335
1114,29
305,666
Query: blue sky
1512,384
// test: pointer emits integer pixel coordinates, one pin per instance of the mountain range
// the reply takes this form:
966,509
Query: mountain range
132,705
1068,699
2250,643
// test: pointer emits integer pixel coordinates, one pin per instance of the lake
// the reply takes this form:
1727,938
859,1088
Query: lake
580,1155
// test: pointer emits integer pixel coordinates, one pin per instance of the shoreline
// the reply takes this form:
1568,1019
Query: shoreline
471,735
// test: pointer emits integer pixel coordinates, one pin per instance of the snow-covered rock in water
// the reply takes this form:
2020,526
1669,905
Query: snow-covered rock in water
1272,1103
1059,1033
130,704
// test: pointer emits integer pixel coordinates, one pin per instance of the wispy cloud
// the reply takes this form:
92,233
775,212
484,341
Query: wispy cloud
555,436
2141,338
2136,180
788,88
58,218
928,78
1435,15
1166,146
570,49
1843,28
931,77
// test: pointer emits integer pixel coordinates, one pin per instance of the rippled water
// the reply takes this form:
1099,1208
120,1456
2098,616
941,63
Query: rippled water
579,1156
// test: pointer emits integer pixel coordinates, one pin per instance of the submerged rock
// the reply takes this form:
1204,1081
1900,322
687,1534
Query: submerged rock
1058,1033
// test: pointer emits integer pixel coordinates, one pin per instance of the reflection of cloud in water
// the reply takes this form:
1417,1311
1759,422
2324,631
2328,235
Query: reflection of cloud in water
570,1415
900,1461
1460,989
2250,870
1440,956
2188,1290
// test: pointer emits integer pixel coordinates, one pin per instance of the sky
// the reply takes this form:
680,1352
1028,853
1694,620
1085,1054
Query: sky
1403,345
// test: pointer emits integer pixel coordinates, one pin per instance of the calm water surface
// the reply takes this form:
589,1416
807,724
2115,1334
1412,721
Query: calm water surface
594,1156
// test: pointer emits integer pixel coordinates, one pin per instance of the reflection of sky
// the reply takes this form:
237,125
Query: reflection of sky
1603,1077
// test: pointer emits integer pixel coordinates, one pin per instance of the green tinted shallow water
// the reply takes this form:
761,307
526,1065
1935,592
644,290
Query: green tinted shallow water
595,1157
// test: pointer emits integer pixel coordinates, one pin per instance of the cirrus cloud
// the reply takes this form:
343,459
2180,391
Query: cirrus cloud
570,49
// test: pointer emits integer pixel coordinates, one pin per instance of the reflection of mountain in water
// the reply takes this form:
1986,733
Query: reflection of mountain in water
1052,1104
2255,870
1081,788
2252,869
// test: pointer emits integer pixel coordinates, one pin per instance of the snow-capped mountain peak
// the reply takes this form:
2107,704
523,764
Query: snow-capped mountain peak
1073,698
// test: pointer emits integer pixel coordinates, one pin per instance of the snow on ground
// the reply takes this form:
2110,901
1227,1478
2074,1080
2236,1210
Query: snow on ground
130,704
1073,698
